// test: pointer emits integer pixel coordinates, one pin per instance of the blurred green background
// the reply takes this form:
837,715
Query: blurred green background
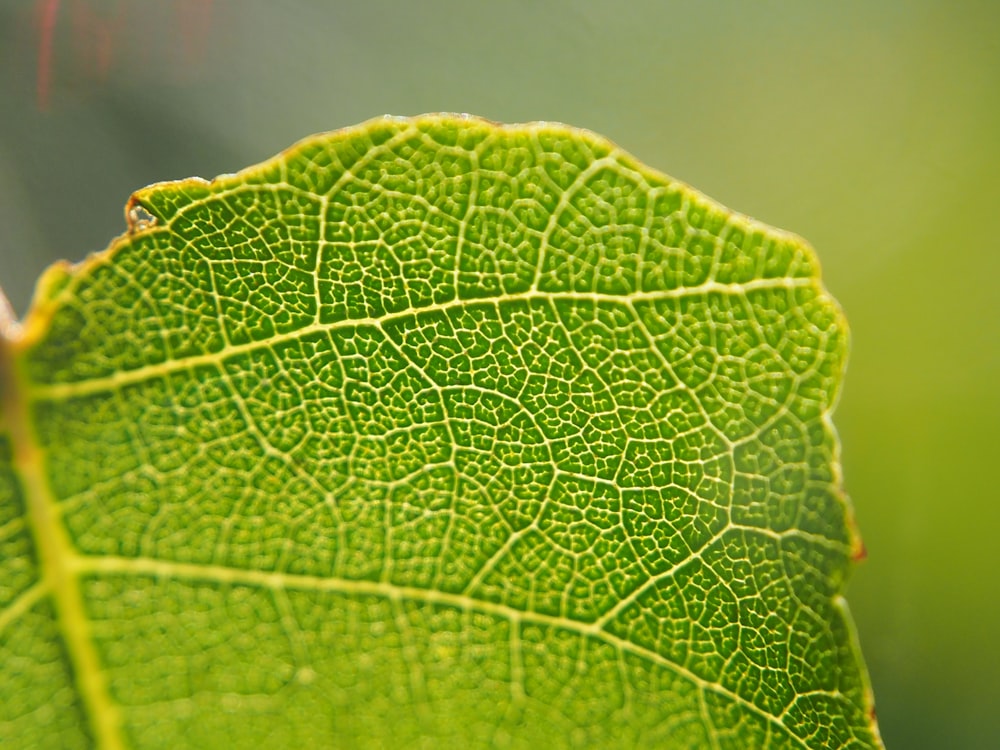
870,128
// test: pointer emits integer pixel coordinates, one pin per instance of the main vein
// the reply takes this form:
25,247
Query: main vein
54,553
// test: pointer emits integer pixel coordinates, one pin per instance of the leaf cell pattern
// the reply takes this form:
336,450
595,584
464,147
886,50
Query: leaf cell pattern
430,431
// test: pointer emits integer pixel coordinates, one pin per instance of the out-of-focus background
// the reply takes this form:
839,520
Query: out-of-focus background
872,129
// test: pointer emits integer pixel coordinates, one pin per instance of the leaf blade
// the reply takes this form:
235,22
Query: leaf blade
435,371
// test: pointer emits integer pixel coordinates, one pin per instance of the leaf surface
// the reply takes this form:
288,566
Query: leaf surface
429,432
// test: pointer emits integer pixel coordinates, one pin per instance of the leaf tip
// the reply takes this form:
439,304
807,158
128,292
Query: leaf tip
9,325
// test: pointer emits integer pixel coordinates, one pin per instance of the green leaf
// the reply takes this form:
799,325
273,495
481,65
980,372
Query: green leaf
432,433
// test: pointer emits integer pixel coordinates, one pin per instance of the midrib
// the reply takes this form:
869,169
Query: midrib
56,560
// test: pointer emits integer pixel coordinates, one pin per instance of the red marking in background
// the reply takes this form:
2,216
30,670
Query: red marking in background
102,51
98,39
94,37
49,10
194,19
